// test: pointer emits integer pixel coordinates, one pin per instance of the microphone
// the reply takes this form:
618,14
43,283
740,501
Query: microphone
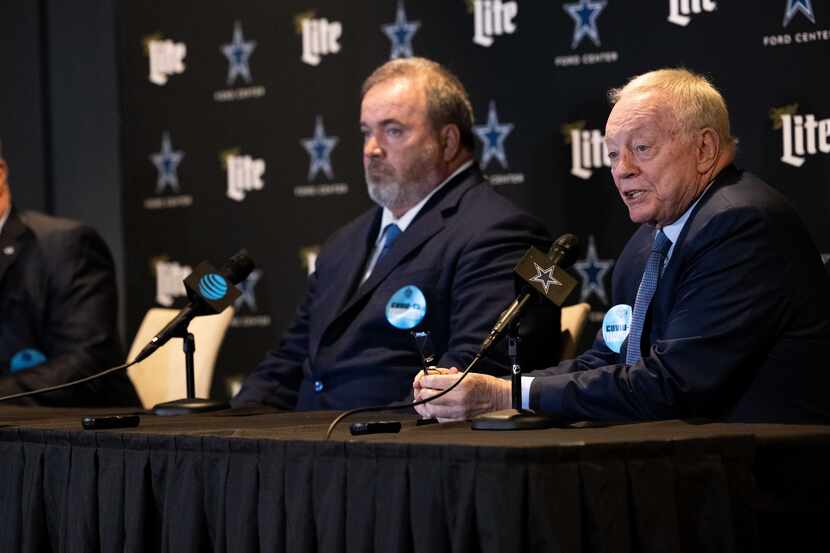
210,292
543,273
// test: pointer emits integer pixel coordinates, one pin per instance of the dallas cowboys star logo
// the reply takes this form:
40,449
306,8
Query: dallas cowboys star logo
825,257
319,149
247,288
803,6
592,269
585,13
544,277
492,135
166,162
400,33
238,52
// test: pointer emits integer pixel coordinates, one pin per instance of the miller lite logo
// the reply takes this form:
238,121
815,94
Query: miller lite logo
244,174
802,134
681,10
588,150
492,18
166,58
170,277
320,37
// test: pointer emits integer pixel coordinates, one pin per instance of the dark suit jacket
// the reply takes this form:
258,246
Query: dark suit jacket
58,297
737,330
459,250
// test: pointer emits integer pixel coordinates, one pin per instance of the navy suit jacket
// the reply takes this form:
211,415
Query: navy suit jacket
340,352
58,297
738,328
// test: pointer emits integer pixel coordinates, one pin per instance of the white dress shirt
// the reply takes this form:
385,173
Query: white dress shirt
403,221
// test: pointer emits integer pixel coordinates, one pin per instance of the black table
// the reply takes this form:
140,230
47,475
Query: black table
248,481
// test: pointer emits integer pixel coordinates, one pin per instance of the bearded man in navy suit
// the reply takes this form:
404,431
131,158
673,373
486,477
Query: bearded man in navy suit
727,297
436,254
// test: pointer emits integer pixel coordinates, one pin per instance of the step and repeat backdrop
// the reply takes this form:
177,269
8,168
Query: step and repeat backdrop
240,124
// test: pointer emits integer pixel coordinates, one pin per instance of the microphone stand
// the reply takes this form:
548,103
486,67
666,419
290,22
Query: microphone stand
190,404
515,418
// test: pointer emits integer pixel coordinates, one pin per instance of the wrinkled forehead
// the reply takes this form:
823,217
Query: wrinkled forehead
399,95
640,111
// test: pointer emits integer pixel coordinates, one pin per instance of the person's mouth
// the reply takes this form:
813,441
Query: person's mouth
633,195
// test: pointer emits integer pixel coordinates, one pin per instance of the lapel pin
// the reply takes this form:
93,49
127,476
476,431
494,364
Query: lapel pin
8,250
406,308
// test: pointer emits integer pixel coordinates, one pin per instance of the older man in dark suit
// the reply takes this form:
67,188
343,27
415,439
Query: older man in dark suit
436,255
721,288
58,310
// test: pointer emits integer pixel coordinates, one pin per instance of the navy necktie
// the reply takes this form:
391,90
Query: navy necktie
390,234
654,265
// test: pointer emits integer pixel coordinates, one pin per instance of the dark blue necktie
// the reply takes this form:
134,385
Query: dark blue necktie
390,234
654,265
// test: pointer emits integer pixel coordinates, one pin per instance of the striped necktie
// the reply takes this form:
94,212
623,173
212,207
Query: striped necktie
654,264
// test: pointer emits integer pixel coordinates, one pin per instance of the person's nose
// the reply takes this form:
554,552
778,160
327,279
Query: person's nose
371,147
625,166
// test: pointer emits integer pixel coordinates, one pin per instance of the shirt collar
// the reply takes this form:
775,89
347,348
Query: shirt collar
406,219
673,230
3,220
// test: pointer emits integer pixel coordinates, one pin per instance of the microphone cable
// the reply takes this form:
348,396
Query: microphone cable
67,384
393,406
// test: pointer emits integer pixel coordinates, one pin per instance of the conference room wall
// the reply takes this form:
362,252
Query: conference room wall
59,122
59,114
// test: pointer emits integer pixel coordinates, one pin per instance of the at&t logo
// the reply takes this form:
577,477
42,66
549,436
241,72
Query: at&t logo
492,18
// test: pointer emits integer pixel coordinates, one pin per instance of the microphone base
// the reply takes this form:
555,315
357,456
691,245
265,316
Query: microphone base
513,419
188,405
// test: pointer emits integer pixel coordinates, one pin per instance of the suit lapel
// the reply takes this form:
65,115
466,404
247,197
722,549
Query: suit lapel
352,261
11,241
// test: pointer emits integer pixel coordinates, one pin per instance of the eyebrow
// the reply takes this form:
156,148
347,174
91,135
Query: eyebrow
386,123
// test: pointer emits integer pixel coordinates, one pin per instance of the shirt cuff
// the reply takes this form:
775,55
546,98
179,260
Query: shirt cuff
526,382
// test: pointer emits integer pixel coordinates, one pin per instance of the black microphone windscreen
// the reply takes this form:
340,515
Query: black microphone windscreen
564,250
238,267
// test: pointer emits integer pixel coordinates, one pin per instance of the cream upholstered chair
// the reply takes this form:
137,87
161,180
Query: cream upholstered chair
161,377
574,318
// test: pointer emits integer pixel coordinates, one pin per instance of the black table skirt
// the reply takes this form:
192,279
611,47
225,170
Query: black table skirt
271,483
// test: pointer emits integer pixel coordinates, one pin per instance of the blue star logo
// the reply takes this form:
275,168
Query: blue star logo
166,162
247,288
803,6
544,277
400,33
319,149
238,52
592,269
492,136
585,13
